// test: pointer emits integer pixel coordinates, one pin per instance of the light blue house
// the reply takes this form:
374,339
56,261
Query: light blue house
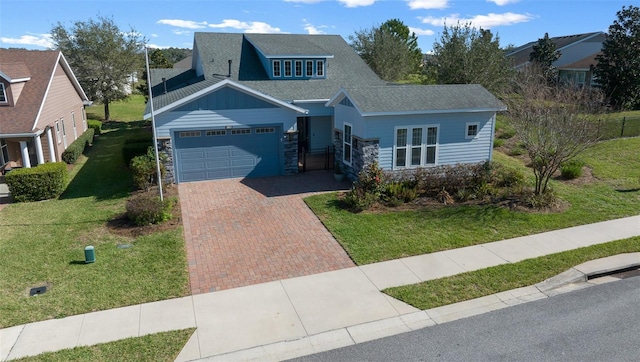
254,105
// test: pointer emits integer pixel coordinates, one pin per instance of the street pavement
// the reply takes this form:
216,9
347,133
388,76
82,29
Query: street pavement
304,315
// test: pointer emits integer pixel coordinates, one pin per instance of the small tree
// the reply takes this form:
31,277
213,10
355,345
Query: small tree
466,55
618,68
390,50
157,60
103,57
544,54
554,122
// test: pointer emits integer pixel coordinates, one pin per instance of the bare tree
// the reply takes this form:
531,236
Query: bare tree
555,122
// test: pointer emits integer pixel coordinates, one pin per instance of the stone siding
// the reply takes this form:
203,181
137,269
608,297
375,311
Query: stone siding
363,153
165,150
290,153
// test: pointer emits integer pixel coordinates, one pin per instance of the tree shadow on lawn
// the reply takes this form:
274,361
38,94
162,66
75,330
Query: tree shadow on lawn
104,175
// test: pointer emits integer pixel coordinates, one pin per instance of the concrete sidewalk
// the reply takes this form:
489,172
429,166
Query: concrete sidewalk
304,315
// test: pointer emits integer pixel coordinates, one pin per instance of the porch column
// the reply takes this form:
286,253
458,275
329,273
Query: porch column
52,150
39,152
24,149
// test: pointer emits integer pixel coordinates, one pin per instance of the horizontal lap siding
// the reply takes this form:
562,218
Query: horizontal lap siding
452,146
351,116
219,119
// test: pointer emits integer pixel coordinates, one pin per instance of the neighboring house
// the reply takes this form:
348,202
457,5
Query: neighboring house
253,104
577,56
41,107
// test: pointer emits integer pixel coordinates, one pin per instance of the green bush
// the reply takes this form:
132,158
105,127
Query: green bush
507,176
358,200
75,149
46,181
367,189
136,146
498,142
405,191
95,125
144,169
147,208
571,169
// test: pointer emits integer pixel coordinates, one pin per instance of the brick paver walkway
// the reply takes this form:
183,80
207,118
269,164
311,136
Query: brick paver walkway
240,232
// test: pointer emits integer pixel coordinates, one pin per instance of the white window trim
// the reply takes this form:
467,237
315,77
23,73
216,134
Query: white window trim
308,65
58,132
320,71
75,130
295,68
4,94
410,146
344,142
466,130
279,69
290,69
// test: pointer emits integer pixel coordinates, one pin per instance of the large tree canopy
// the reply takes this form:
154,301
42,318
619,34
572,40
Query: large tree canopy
466,55
618,69
103,57
390,49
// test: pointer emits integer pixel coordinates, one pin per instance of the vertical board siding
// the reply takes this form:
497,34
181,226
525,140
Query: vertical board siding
219,119
225,98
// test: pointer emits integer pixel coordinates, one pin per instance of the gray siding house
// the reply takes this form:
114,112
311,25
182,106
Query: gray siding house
253,105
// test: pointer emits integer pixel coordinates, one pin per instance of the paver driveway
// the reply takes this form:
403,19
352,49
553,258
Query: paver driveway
246,231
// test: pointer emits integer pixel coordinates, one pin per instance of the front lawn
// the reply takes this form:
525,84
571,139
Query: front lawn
42,244
154,347
370,237
479,283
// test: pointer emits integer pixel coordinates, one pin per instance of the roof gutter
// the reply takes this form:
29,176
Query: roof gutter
21,135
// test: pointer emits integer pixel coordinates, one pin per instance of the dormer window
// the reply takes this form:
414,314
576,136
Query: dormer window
309,68
298,68
287,68
276,68
3,94
320,68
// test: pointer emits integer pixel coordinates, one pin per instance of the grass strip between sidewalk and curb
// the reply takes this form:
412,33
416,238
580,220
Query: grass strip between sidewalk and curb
480,283
163,346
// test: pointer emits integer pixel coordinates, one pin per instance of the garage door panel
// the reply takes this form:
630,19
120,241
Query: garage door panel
223,156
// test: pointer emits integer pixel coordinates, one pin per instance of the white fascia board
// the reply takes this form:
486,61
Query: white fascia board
309,101
12,80
579,41
336,98
232,84
448,111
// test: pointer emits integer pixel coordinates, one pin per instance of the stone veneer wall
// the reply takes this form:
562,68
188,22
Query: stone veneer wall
363,153
290,153
165,150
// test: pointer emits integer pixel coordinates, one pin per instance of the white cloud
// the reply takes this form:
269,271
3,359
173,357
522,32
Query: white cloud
419,31
41,40
503,2
246,26
479,21
154,35
156,46
182,32
356,3
188,24
428,4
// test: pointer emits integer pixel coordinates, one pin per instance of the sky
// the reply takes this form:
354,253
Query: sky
164,23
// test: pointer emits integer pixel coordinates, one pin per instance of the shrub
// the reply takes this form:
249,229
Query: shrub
144,169
358,200
136,146
75,149
517,151
46,181
367,189
95,125
541,201
147,208
507,176
571,169
498,142
398,192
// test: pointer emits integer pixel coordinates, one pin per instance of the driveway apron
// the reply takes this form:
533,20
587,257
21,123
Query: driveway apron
241,232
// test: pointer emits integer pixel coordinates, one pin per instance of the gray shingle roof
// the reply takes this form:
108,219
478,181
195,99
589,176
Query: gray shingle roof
423,98
346,68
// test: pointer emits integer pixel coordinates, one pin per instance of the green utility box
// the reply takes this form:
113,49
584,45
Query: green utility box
89,254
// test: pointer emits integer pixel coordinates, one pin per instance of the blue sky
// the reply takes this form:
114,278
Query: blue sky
27,23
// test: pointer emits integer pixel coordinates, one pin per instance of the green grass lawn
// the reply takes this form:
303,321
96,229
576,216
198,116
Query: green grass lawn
154,347
475,284
130,109
373,237
42,243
